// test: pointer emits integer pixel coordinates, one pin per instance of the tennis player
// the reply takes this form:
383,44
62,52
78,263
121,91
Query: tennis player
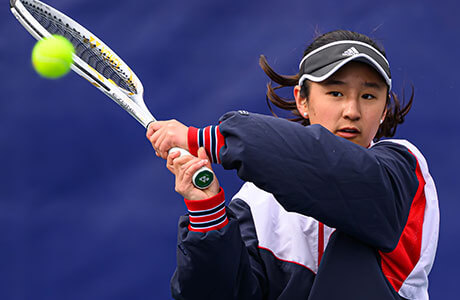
327,211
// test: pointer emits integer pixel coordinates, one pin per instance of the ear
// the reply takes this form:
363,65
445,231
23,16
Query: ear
385,110
384,114
301,102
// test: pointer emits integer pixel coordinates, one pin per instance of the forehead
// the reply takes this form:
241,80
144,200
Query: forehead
356,70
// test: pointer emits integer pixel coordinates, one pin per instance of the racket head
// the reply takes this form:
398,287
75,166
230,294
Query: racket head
93,59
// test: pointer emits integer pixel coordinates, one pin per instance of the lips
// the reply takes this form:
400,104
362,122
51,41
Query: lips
348,132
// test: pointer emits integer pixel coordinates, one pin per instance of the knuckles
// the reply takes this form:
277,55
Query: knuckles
166,131
170,134
172,123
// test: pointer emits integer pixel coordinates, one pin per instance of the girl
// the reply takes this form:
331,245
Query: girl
328,211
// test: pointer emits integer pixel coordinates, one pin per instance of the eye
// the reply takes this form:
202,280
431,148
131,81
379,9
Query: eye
368,96
335,94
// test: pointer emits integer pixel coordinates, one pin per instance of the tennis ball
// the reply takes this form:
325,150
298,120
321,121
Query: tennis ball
52,56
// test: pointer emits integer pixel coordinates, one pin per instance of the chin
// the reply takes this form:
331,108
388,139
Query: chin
360,143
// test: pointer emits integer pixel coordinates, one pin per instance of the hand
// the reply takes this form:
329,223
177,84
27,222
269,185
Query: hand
167,134
184,167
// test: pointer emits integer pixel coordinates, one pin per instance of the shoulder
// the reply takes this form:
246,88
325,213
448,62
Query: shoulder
400,142
421,169
249,120
404,145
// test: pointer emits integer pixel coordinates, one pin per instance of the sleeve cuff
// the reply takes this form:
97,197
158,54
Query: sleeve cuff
207,214
210,138
192,140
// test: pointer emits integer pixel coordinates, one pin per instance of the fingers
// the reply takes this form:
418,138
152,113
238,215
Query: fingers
163,135
203,155
159,139
181,166
189,168
154,126
176,162
185,174
184,167
169,162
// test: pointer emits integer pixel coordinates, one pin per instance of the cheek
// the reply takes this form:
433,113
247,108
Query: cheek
373,122
324,115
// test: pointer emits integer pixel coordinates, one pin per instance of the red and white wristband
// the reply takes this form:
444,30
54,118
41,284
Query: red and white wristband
207,214
210,138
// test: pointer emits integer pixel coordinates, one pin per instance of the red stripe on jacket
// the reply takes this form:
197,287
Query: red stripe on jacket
320,242
399,263
207,218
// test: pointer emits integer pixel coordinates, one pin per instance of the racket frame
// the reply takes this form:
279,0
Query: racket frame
131,102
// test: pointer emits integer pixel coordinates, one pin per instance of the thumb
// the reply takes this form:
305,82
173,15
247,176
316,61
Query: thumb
203,155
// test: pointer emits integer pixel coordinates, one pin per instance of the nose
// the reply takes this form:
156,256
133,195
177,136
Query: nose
352,109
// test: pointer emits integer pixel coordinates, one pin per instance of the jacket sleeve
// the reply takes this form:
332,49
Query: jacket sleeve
217,264
366,193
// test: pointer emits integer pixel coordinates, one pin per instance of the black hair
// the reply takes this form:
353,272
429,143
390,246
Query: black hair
395,112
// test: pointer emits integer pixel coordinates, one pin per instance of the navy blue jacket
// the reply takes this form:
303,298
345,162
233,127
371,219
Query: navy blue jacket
377,204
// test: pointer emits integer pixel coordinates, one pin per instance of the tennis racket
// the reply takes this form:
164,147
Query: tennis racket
97,63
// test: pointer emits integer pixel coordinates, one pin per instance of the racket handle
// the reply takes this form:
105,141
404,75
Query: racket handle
203,177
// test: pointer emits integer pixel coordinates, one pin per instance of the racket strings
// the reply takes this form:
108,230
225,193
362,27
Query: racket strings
84,49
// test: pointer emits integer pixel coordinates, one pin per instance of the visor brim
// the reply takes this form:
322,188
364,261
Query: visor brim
326,71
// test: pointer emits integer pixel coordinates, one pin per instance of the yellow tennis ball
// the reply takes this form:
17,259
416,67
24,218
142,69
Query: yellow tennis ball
52,56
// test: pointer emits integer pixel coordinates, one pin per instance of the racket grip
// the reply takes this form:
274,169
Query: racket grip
203,177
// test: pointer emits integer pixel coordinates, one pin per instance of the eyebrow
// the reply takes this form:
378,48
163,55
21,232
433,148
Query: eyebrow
329,82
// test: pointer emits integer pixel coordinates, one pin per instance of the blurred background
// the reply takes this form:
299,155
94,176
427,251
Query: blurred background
87,211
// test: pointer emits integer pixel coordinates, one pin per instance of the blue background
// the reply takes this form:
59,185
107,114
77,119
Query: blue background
87,211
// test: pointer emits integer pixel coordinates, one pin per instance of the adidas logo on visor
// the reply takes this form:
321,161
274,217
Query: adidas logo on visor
350,52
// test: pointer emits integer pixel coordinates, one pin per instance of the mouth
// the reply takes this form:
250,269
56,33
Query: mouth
348,132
